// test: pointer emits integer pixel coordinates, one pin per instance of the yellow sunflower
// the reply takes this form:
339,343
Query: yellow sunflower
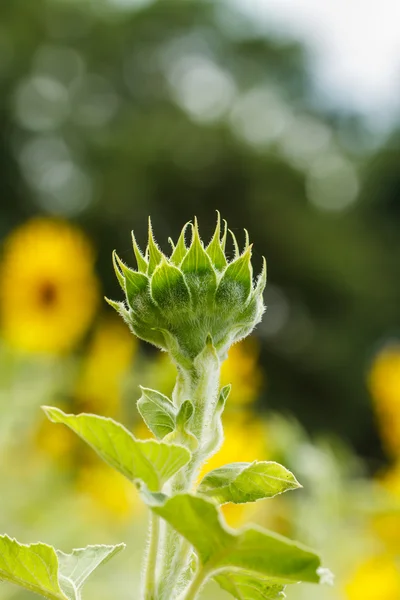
243,372
109,358
48,289
108,491
384,386
386,524
377,578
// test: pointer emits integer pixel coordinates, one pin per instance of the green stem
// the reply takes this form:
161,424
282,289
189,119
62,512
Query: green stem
151,563
200,385
196,585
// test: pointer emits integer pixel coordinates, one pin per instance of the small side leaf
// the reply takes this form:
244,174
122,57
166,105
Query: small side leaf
41,569
157,412
247,587
181,433
148,460
247,482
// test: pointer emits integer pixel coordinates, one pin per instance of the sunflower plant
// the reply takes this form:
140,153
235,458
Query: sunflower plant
194,305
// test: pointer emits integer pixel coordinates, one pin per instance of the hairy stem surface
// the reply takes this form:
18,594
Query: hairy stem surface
151,563
200,385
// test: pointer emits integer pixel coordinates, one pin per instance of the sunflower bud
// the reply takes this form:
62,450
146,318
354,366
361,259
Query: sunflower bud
179,302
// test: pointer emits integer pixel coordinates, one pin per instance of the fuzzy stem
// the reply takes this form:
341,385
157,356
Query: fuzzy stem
195,586
151,561
200,385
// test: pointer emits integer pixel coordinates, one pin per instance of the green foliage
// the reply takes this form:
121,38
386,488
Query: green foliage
41,569
157,411
197,304
247,482
150,461
277,560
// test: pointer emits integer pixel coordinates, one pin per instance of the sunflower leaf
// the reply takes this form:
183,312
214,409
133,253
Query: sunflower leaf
247,482
267,555
41,569
151,461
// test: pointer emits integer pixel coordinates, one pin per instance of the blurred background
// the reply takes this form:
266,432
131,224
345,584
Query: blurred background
285,117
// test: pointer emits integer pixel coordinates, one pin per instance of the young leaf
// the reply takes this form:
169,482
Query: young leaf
157,412
50,573
261,552
248,587
181,434
247,482
151,461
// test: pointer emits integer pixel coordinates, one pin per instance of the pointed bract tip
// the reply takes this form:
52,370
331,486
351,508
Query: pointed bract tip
118,267
209,340
235,243
224,235
247,238
117,260
116,305
140,259
262,278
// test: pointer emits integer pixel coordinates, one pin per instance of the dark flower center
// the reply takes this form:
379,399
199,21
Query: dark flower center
47,294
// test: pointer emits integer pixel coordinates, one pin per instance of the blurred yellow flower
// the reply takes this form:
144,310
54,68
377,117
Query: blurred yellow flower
243,372
386,525
48,290
384,386
108,490
375,579
108,360
245,441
